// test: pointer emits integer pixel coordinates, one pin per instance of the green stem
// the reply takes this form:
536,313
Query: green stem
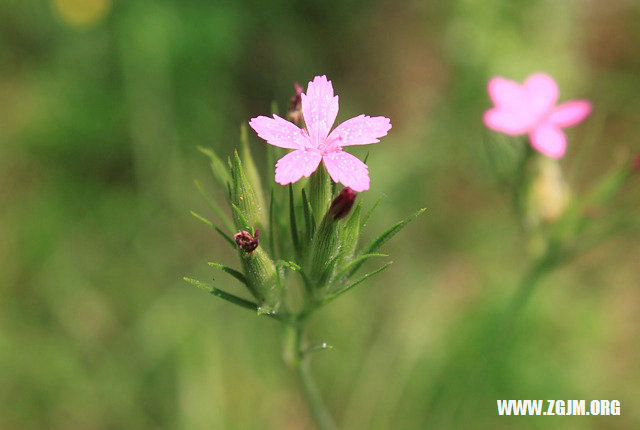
530,281
297,359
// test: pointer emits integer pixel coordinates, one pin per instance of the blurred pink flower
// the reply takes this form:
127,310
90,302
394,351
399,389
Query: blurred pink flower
531,109
315,143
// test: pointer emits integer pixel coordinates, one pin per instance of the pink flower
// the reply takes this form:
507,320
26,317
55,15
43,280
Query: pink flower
315,143
531,109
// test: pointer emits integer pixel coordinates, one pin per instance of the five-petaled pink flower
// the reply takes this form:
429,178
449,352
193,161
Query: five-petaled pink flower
315,143
531,109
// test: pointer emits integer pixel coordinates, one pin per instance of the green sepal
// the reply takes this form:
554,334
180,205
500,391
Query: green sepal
309,220
262,277
253,175
324,251
320,192
350,236
243,196
241,222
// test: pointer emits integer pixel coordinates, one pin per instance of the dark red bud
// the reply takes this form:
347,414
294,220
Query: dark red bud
295,105
341,205
246,241
636,164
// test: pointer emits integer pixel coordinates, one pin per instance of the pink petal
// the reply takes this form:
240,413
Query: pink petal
549,140
295,165
319,109
361,130
570,113
348,170
510,122
507,94
280,132
542,93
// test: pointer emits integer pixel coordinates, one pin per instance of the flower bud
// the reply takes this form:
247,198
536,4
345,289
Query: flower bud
246,241
549,195
341,205
244,197
295,106
262,278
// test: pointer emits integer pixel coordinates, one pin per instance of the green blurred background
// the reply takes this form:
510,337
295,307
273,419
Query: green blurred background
102,103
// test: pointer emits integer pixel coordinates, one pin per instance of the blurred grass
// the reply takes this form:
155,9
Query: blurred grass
102,104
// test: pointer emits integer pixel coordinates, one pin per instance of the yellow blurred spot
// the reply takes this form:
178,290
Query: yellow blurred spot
81,13
550,192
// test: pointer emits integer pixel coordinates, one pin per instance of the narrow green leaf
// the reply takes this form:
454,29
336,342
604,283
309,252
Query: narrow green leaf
223,294
367,215
239,276
243,223
293,223
274,108
366,157
316,348
573,223
215,207
202,285
272,232
331,297
309,221
296,268
201,218
357,262
220,172
224,235
229,191
288,264
390,232
271,162
385,236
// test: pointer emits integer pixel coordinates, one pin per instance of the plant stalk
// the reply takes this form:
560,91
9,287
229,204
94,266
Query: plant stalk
296,357
530,281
